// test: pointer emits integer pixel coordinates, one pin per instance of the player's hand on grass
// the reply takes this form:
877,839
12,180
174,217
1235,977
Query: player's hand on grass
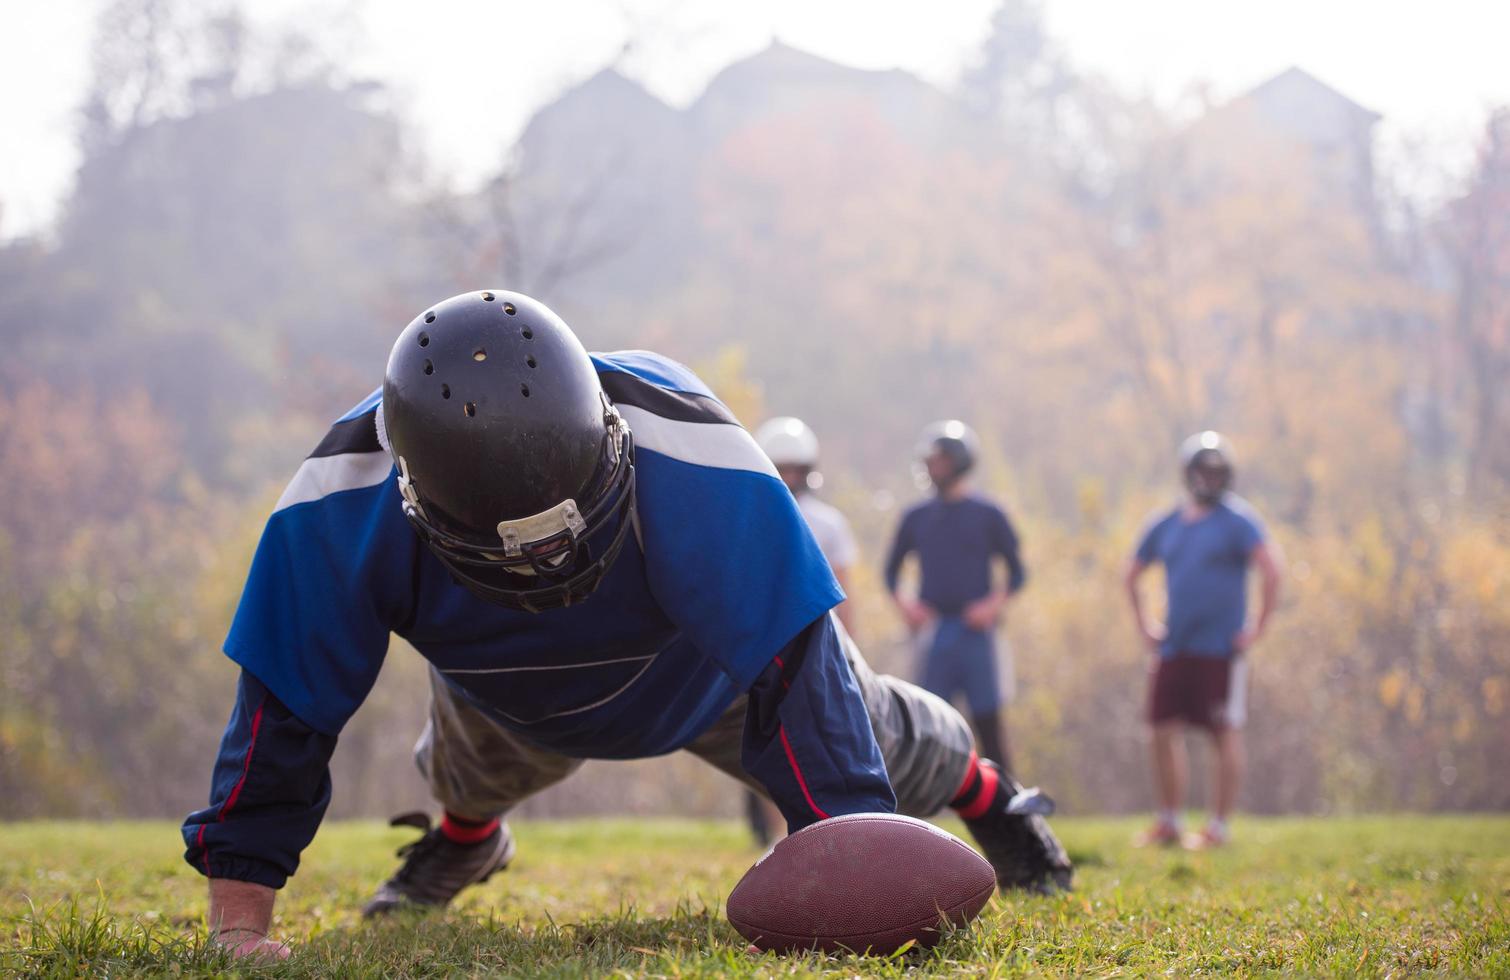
253,944
241,914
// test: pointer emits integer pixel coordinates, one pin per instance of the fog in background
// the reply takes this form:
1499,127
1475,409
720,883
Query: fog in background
1083,272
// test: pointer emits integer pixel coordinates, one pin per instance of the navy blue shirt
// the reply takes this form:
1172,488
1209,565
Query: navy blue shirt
1206,565
955,541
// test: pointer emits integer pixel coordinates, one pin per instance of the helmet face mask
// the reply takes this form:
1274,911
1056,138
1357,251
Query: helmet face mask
546,560
524,491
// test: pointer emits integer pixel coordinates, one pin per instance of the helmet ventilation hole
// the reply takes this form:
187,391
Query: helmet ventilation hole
429,368
530,360
424,340
528,333
445,391
488,297
479,355
430,317
470,408
509,308
524,390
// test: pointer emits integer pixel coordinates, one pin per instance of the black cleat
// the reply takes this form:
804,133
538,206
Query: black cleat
435,867
1018,842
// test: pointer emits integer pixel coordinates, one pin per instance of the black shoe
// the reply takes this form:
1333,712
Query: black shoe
1018,842
435,867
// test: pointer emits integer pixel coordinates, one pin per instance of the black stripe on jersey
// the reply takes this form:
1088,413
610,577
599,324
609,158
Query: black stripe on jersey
358,435
679,406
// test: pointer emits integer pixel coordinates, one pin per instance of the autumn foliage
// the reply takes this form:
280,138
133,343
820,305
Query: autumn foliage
871,256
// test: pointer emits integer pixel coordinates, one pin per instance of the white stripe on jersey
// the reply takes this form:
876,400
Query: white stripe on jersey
715,444
321,476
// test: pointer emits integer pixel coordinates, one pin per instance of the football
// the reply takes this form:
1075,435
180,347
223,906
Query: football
864,882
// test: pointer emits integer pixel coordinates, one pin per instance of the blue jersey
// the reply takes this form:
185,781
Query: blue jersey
723,574
722,592
1206,565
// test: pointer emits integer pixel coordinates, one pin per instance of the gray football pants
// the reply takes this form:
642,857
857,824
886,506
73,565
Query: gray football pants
478,768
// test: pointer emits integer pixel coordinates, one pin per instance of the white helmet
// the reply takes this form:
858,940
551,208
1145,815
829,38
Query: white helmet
788,442
1206,446
955,440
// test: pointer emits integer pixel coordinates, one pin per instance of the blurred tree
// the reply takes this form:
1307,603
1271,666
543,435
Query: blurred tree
1478,236
248,231
230,230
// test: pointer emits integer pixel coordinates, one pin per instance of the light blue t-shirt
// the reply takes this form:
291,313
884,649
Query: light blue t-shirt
1206,565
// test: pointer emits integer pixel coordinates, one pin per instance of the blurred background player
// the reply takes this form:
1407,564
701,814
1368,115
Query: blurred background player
1206,544
956,535
793,450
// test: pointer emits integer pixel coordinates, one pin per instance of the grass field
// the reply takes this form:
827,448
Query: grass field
1377,896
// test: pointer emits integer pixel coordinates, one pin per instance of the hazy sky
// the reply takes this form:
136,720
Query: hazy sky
469,72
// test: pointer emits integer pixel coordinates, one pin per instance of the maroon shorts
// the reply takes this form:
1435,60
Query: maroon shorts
1205,691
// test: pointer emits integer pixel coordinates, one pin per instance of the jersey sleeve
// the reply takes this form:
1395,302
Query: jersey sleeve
728,555
332,576
808,738
270,789
1250,527
1010,548
902,545
730,559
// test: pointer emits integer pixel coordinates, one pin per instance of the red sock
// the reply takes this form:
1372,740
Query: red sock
974,796
463,830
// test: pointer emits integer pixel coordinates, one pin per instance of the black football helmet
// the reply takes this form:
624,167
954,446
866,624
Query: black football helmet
515,468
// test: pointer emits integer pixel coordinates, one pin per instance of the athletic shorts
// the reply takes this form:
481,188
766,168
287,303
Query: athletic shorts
956,660
1209,692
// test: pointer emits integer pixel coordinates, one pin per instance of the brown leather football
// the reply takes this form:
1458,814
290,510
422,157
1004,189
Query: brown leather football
865,882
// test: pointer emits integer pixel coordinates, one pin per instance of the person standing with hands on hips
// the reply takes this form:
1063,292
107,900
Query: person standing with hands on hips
1206,543
957,534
